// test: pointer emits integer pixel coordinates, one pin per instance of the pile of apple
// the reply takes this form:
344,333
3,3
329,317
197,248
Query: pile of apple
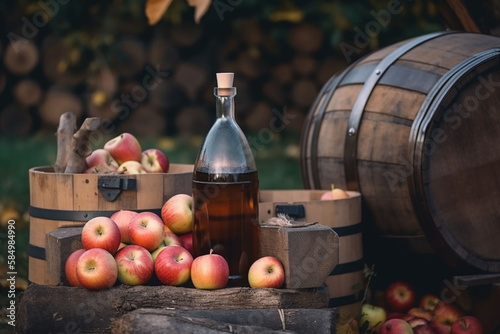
132,248
402,312
123,155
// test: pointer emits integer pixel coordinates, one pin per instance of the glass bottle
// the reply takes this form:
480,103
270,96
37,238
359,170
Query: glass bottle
225,190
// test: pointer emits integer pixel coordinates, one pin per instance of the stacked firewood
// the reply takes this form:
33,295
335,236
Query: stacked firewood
163,84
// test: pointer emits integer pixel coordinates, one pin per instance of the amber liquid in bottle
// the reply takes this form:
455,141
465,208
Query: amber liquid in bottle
226,191
225,220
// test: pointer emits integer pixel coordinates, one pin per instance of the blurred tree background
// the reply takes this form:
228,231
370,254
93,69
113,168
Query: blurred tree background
101,58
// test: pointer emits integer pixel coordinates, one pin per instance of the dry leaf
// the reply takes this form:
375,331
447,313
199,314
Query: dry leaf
155,10
201,7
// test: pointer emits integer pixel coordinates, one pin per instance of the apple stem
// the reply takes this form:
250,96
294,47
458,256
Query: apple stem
211,250
333,186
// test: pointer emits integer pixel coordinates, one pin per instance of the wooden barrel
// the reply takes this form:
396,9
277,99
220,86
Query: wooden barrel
415,128
346,282
72,199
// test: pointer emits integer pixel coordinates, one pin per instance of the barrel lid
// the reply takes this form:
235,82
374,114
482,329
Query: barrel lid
455,155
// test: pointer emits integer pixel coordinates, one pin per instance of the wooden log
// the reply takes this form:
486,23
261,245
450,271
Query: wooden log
21,57
319,321
3,81
145,120
15,119
328,67
44,308
27,92
282,73
56,102
274,91
192,120
131,59
191,77
80,146
169,321
186,34
163,53
304,92
55,63
250,64
59,246
304,65
305,38
65,131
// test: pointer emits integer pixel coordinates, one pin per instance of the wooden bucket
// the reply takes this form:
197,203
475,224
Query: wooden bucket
346,282
72,199
415,128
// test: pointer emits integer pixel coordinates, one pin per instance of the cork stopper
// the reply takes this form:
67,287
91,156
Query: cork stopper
225,84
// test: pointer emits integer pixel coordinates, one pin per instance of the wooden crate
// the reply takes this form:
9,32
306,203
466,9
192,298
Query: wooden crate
72,199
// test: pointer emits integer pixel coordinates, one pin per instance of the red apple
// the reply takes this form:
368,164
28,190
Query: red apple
266,272
135,265
101,232
420,313
177,213
173,265
440,328
400,296
122,218
101,158
335,193
395,326
424,329
171,239
187,241
146,230
467,325
210,272
446,313
429,301
154,161
70,267
96,269
124,147
131,168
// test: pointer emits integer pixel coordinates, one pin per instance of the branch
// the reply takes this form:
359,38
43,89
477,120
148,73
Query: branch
65,131
80,146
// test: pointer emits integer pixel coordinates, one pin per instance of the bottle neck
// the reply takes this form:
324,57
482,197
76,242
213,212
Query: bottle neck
224,102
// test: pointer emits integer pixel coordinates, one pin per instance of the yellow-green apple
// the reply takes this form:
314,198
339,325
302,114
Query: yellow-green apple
266,272
146,229
187,241
424,329
335,193
154,161
420,313
429,301
70,267
173,265
124,147
157,251
400,296
96,269
101,232
171,239
375,316
122,218
131,168
209,272
101,158
467,325
135,265
177,213
395,326
446,313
